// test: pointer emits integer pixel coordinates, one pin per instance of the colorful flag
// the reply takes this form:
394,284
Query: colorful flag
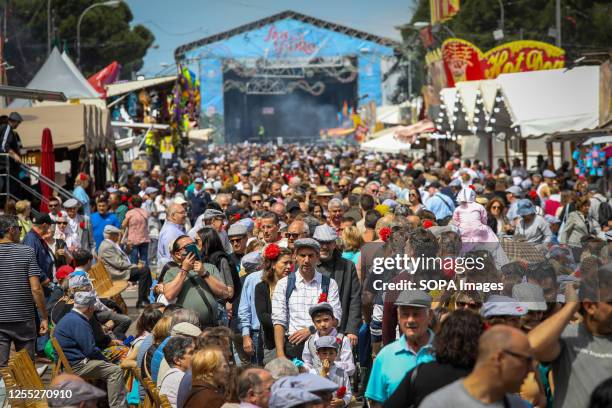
443,10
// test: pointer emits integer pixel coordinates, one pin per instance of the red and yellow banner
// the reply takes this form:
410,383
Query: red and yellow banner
443,10
463,61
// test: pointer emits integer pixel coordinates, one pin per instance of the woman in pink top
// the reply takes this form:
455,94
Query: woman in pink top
137,223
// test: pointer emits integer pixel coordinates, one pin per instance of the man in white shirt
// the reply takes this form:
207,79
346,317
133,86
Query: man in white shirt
293,297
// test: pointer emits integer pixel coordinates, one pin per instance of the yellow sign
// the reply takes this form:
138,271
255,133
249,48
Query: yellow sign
31,159
140,165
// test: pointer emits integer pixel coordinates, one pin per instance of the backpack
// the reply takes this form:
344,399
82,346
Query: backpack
604,213
291,285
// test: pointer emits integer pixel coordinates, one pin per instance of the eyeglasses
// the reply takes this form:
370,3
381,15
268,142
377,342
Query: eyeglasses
52,205
61,223
496,207
256,201
527,359
469,305
291,236
235,240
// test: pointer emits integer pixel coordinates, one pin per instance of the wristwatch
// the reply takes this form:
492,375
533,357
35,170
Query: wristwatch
206,274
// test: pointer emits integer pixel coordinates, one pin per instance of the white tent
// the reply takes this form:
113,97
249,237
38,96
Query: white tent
546,102
59,76
386,142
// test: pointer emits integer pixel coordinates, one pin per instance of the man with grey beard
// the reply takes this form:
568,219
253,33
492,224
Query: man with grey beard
344,273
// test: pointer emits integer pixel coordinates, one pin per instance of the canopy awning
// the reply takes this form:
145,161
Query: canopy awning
386,142
72,125
598,140
120,88
201,135
35,94
545,102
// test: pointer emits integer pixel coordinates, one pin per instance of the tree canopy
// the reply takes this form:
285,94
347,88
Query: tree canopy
106,36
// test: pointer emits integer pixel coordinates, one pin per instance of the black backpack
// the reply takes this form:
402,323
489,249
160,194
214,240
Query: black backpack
604,213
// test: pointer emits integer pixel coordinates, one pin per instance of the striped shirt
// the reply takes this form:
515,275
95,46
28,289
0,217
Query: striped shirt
17,264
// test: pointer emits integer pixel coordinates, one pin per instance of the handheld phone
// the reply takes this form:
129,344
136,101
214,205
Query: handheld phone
192,248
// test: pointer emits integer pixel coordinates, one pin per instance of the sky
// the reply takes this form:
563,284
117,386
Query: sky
177,22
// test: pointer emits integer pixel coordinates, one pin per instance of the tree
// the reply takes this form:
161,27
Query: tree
586,24
106,36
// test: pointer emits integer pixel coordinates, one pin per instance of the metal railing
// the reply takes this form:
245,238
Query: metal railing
7,179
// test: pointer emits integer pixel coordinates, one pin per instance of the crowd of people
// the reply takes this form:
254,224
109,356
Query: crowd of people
272,276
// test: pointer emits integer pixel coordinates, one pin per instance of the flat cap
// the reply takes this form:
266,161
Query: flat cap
74,392
530,295
248,223
111,229
455,183
185,329
314,383
290,397
307,243
179,200
14,116
85,298
324,233
236,230
414,298
71,203
549,174
199,180
326,342
151,190
211,213
252,261
323,191
498,305
321,307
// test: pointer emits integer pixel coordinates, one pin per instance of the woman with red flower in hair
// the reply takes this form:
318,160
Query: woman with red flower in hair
277,264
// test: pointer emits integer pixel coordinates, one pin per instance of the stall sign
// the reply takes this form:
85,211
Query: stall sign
140,165
31,159
463,61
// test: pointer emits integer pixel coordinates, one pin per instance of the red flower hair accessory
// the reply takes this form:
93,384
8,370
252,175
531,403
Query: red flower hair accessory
427,224
384,233
82,176
82,224
533,195
124,199
471,186
341,392
322,298
271,252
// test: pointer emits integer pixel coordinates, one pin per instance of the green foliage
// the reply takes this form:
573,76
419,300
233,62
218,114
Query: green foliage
106,36
585,24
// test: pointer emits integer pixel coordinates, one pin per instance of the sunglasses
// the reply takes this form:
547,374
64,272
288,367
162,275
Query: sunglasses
256,201
473,306
235,240
52,205
496,207
292,236
61,223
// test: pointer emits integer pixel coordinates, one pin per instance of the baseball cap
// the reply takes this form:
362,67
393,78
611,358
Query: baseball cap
63,272
515,190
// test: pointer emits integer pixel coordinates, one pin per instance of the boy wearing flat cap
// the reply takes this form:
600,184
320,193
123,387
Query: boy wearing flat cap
327,352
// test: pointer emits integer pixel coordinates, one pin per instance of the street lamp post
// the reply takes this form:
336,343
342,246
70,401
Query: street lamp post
110,3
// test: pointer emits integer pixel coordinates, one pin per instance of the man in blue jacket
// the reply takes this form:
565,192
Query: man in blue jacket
75,336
